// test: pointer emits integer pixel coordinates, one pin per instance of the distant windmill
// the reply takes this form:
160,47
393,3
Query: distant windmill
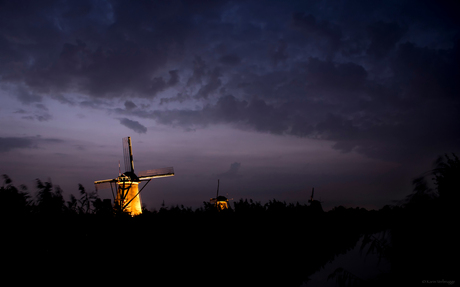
128,198
221,202
315,204
312,193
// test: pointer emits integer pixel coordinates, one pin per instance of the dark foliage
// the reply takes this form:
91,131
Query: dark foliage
49,202
447,178
18,200
424,237
420,235
251,244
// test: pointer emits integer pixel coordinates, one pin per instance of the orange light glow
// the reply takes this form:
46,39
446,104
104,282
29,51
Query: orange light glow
132,200
221,205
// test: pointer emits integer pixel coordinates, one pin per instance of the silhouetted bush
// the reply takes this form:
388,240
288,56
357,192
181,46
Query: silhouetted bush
421,230
447,179
276,243
15,202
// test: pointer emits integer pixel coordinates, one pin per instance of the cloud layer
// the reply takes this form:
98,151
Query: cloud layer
380,80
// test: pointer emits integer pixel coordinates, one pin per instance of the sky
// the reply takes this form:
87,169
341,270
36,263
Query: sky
273,98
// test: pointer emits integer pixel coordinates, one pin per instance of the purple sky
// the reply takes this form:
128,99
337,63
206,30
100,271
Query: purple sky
273,98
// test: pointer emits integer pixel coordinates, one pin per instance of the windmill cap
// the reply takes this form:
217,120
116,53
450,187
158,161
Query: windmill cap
131,175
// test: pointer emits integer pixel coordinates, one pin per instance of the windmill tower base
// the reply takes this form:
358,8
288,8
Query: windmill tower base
131,197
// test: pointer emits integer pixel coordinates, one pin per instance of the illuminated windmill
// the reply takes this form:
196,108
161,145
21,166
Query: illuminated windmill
221,202
127,197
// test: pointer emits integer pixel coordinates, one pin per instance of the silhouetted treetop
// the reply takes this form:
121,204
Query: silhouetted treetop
49,201
15,201
447,177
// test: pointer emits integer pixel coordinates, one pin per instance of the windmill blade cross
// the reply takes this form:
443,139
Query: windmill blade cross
156,173
128,154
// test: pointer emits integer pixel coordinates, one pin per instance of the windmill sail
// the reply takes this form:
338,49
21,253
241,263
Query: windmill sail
154,173
104,184
128,155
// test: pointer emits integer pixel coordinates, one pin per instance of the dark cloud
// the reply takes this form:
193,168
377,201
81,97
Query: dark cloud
27,97
334,79
94,103
10,143
323,33
129,105
373,131
133,125
20,111
211,86
158,84
426,73
174,78
232,173
43,117
180,97
384,37
40,114
49,140
41,107
230,59
279,54
199,70
365,76
99,51
255,114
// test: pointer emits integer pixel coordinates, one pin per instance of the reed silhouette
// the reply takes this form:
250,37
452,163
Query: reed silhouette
421,239
424,237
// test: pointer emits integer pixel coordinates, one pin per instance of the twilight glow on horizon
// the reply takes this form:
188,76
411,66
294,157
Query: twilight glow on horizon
353,98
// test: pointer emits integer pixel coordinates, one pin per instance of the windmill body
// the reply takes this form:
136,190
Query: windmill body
127,198
221,202
128,195
315,205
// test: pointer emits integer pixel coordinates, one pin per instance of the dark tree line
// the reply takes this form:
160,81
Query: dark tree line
250,244
48,200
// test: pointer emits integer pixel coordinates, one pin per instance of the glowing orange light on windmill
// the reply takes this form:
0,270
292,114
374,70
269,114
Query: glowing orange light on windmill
128,196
